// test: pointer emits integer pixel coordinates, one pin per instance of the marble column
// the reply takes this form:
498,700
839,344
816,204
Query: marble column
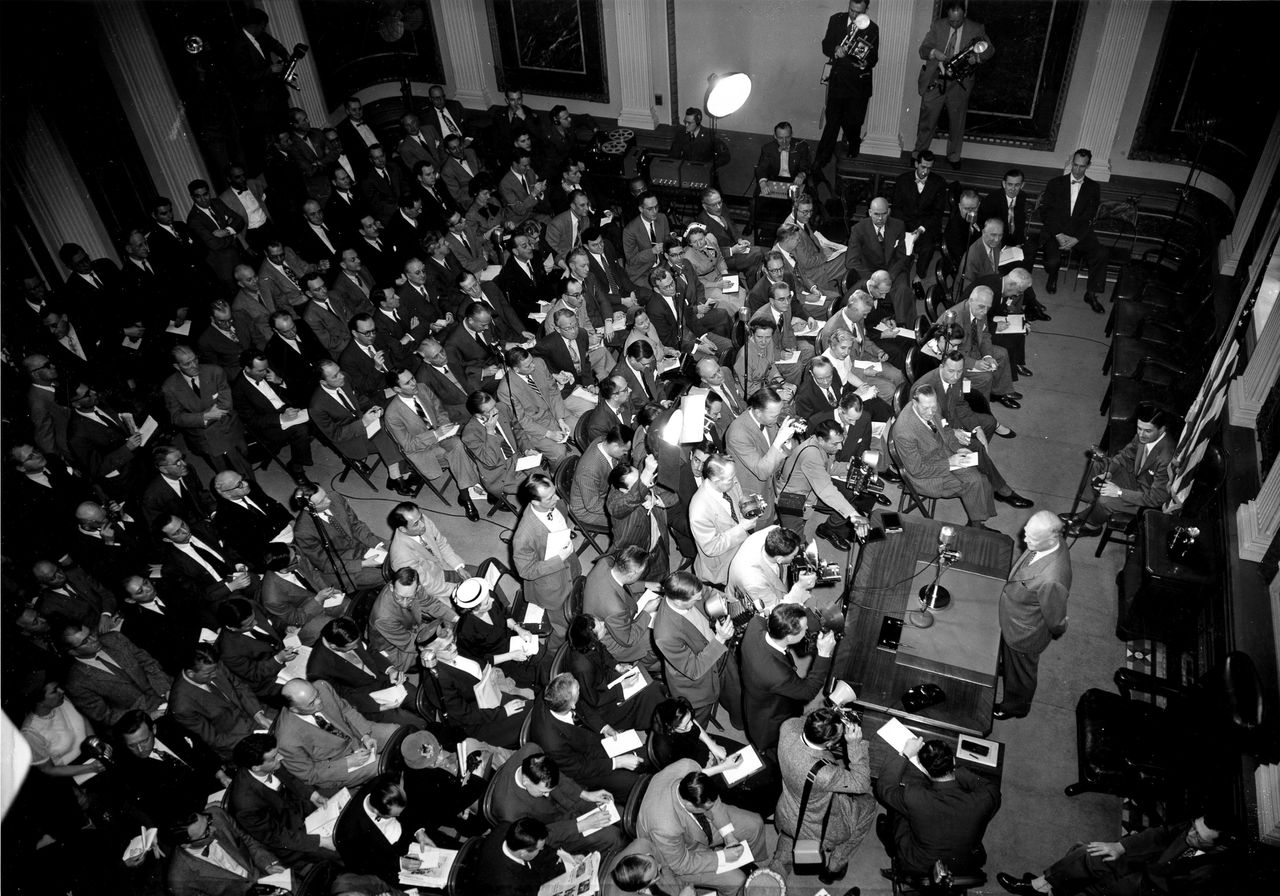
635,87
1248,392
1112,79
42,174
1232,245
286,26
1257,521
897,54
461,32
150,100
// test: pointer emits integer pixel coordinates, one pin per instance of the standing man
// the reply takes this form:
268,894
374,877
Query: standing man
921,202
1033,610
947,37
1067,208
853,53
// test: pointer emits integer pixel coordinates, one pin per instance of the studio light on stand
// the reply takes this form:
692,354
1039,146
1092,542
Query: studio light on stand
935,597
725,95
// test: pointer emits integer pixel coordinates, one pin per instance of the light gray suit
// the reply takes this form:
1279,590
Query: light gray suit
717,534
1033,611
318,757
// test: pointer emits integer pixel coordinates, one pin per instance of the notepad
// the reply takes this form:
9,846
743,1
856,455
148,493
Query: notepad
296,667
745,856
372,428
960,461
583,395
896,735
1010,254
729,283
141,843
490,272
148,429
322,821
1017,323
527,643
631,683
610,807
815,298
559,544
749,765
389,698
529,461
377,553
448,431
336,600
533,614
302,418
285,535
790,358
869,366
282,879
622,742
183,329
426,866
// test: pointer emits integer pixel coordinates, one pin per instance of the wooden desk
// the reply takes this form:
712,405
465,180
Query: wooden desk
885,585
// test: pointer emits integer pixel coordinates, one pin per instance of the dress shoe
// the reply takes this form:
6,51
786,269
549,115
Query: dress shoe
1013,499
1005,432
401,487
362,468
468,507
1092,301
883,500
918,288
1008,401
831,876
1079,531
1013,393
890,475
1023,370
1051,283
839,542
1036,312
887,873
999,712
1013,885
1071,519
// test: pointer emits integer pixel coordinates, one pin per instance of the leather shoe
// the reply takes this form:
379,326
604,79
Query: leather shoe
999,712
1051,283
1013,393
1071,519
1084,531
401,487
1007,434
883,500
833,876
1036,312
890,475
918,288
839,542
1013,499
1013,885
1092,301
468,507
1008,401
1023,370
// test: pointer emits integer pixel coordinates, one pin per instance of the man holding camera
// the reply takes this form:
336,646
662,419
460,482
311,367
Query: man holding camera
756,573
807,474
771,685
853,53
948,37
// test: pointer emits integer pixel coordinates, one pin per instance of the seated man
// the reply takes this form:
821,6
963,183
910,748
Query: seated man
785,343
938,815
1014,295
1137,477
878,243
807,472
251,647
108,675
166,776
927,448
840,353
864,351
612,410
636,869
947,380
195,870
534,398
693,832
403,615
575,748
993,376
342,658
491,437
607,595
261,400
246,517
214,705
294,594
1172,858
755,575
759,359
344,419
272,806
1068,207
450,683
696,663
323,741
530,785
513,860
771,685
591,478
327,532
418,544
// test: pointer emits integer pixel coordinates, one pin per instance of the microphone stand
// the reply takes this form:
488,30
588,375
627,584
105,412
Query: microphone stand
339,569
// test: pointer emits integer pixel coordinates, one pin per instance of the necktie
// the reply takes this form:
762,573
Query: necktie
112,666
608,275
994,261
212,557
146,266
450,127
523,183
973,333
96,281
831,396
422,413
951,43
653,237
74,346
573,352
306,583
733,511
1026,556
705,825
1140,458
342,397
643,385
108,420
530,381
195,384
1010,226
325,725
466,242
880,234
507,450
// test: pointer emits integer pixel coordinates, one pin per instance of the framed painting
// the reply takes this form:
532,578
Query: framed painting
550,47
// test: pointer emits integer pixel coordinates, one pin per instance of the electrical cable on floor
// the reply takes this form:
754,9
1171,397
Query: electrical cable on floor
505,533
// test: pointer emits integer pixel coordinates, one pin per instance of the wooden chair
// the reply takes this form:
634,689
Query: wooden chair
390,759
407,461
909,498
563,478
348,465
635,799
462,866
496,501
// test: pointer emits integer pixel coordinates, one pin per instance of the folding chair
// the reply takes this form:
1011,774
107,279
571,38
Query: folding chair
348,465
909,498
448,474
563,478
496,502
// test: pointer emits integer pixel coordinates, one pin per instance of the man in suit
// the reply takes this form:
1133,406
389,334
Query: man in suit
294,593
194,870
417,543
608,596
548,574
356,136
935,815
1172,858
877,243
437,203
73,594
947,37
345,207
405,229
591,478
415,418
613,410
73,348
643,237
564,231
1067,207
524,282
272,806
199,403
416,146
576,748
342,658
251,309
1033,610
493,439
93,289
382,186
175,491
316,241
521,189
406,614
468,249
344,417
681,316
740,256
216,226
757,569
508,863
771,686
246,517
1136,478
690,827
444,117
506,325
947,380
858,438
854,317
852,53
323,741
216,707
442,270
368,359
963,228
757,440
345,534
529,390
246,196
175,251
165,773
263,400
920,200
354,285
45,494
311,154
280,278
693,142
106,550
1009,204
515,119
807,472
459,165
783,158
473,348
293,352
252,648
377,253
154,293
49,418
202,567
778,310
697,664
164,627
102,445
109,675
221,342
992,374
717,526
983,258
926,445
447,381
606,270
567,352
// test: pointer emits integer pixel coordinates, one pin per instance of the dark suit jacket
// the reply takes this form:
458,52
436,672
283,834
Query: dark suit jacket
363,376
219,717
245,530
1056,211
452,690
524,293
866,255
168,790
382,193
771,686
189,876
186,411
936,39
260,417
497,875
464,351
552,349
353,145
383,263
193,579
276,818
363,847
915,207
507,324
603,418
352,684
954,408
452,398
251,655
167,635
111,563
575,748
339,424
996,205
812,403
960,235
348,535
160,500
693,664
297,369
342,213
99,451
103,697
769,165
639,383
222,253
312,248
1033,604
81,599
847,78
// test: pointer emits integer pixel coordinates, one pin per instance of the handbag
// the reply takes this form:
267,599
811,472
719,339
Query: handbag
806,854
792,504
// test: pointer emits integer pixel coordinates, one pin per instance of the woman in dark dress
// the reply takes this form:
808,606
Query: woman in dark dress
594,667
485,630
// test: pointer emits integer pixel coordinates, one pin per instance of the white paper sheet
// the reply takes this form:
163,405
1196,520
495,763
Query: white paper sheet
963,461
745,856
623,742
534,614
296,667
303,417
750,764
559,544
869,366
789,358
323,820
1010,254
490,272
372,427
285,535
529,461
609,807
148,429
389,698
183,330
583,395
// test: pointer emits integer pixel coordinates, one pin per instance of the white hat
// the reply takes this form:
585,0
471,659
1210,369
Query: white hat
470,593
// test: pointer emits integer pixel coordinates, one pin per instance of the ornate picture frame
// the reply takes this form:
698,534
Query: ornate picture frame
550,47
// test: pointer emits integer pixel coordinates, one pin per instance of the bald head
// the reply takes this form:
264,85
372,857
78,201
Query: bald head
301,694
45,571
1042,531
89,513
879,206
226,480
708,367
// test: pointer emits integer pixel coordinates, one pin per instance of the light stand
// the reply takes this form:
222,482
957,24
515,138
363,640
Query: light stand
725,95
935,597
